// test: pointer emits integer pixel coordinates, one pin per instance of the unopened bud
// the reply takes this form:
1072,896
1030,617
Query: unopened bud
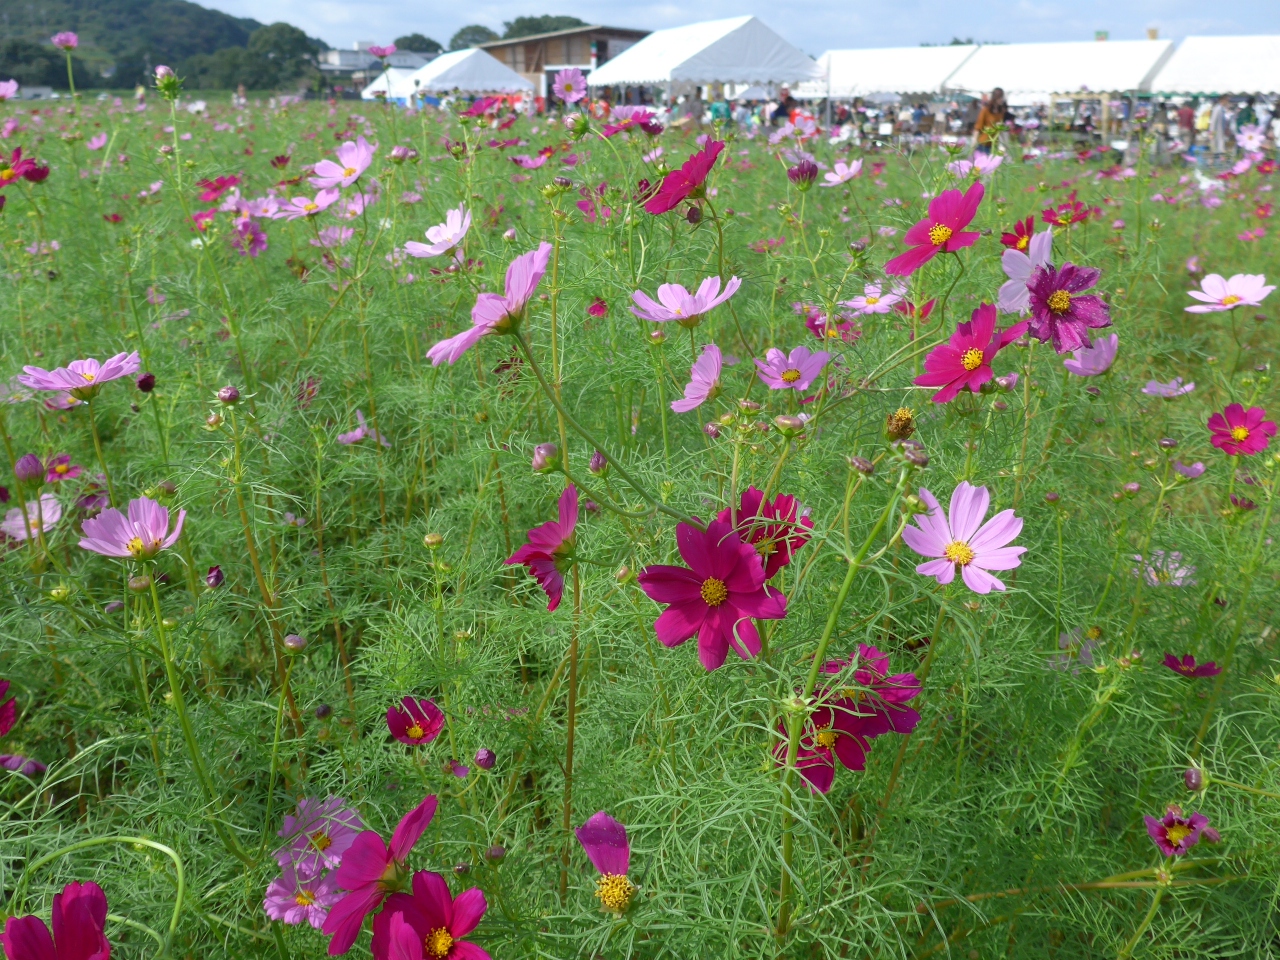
486,758
546,458
229,395
788,425
214,578
564,183
147,382
599,464
433,540
1132,488
495,854
28,468
399,153
461,869
712,430
213,421
294,643
1168,443
140,583
1193,777
323,711
862,465
694,215
1052,497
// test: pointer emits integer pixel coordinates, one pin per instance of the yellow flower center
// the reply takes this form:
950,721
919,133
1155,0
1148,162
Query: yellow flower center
62,468
872,301
826,738
1162,576
89,377
8,173
1230,300
1093,633
1059,301
136,547
959,552
714,592
1023,243
614,891
305,898
349,172
939,234
1239,434
321,841
309,207
972,359
414,733
790,376
439,942
1177,833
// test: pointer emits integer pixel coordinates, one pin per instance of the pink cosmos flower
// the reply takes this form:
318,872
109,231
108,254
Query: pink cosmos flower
965,360
942,231
605,842
1166,570
1060,312
689,181
140,535
843,173
26,767
549,552
370,870
79,921
716,597
1174,388
704,380
775,529
963,541
429,924
318,834
415,722
302,207
61,468
983,164
1187,666
353,160
678,304
65,40
497,313
1189,470
1091,361
249,238
873,300
8,90
97,143
794,371
8,709
41,516
598,308
1236,431
570,85
81,378
1014,297
331,237
527,162
1175,834
382,52
446,238
361,431
294,897
1241,290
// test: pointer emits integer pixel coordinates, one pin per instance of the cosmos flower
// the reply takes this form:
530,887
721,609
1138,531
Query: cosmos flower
1174,388
429,923
1091,361
965,360
605,841
962,541
318,834
527,162
716,597
382,52
446,238
61,468
81,378
1236,431
361,431
497,313
332,237
8,709
211,191
41,517
942,231
1077,648
1241,290
79,920
249,239
1189,470
549,552
1187,666
8,90
776,529
24,766
1068,212
140,535
294,897
793,371
844,172
1060,313
353,160
303,207
1020,239
1014,297
415,722
687,182
982,163
678,304
873,300
704,380
1175,834
1166,570
570,85
66,40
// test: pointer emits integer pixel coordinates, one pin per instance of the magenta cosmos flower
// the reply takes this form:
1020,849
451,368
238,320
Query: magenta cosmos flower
353,160
678,304
715,597
549,552
8,709
962,541
370,870
570,85
1014,297
415,721
1175,834
793,371
1237,431
141,534
965,360
704,380
81,378
1187,666
497,313
874,300
776,529
318,834
605,841
303,207
361,431
66,40
446,238
942,231
1091,361
79,919
294,897
688,181
1060,312
429,924
1217,294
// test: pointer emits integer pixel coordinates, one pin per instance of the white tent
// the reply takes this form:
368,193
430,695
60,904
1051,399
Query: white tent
738,50
393,83
860,73
1112,66
1222,65
468,71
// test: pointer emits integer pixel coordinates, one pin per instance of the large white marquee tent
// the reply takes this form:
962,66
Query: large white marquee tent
1223,65
467,71
737,50
393,83
1022,68
863,73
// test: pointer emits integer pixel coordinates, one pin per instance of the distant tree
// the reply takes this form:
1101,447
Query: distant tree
284,45
418,44
528,26
472,36
40,65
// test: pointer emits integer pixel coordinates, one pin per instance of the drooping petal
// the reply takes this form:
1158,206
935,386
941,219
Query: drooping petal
411,827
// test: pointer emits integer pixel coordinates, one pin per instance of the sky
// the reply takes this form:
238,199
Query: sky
812,25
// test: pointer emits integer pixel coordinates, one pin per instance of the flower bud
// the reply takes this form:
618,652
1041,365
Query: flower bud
546,458
803,174
147,382
1052,497
163,72
1007,382
495,854
294,643
139,584
748,406
59,593
712,430
913,452
788,425
564,183
510,234
229,395
213,421
115,606
399,153
486,758
214,578
1132,488
694,215
624,574
324,711
433,540
461,869
1193,777
862,465
657,338
28,468
1168,443
599,464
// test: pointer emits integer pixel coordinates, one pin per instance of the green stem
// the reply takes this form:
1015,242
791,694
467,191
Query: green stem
1127,949
97,446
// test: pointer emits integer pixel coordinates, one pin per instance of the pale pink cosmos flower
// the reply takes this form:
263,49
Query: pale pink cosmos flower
843,173
140,535
961,540
353,160
97,143
527,162
873,300
293,897
1174,388
360,432
446,238
65,40
81,378
984,164
304,207
678,304
331,237
1091,361
8,90
1251,137
1014,297
41,516
1241,290
704,380
570,85
497,313
795,371
1166,570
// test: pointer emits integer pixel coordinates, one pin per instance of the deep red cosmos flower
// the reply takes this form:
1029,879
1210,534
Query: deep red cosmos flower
15,166
212,190
1060,311
777,528
679,185
281,161
716,597
429,924
79,918
548,554
1188,667
965,360
1175,834
1020,239
1068,212
1237,431
942,231
415,721
915,311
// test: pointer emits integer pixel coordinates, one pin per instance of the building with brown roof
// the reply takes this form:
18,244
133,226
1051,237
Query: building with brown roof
538,57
